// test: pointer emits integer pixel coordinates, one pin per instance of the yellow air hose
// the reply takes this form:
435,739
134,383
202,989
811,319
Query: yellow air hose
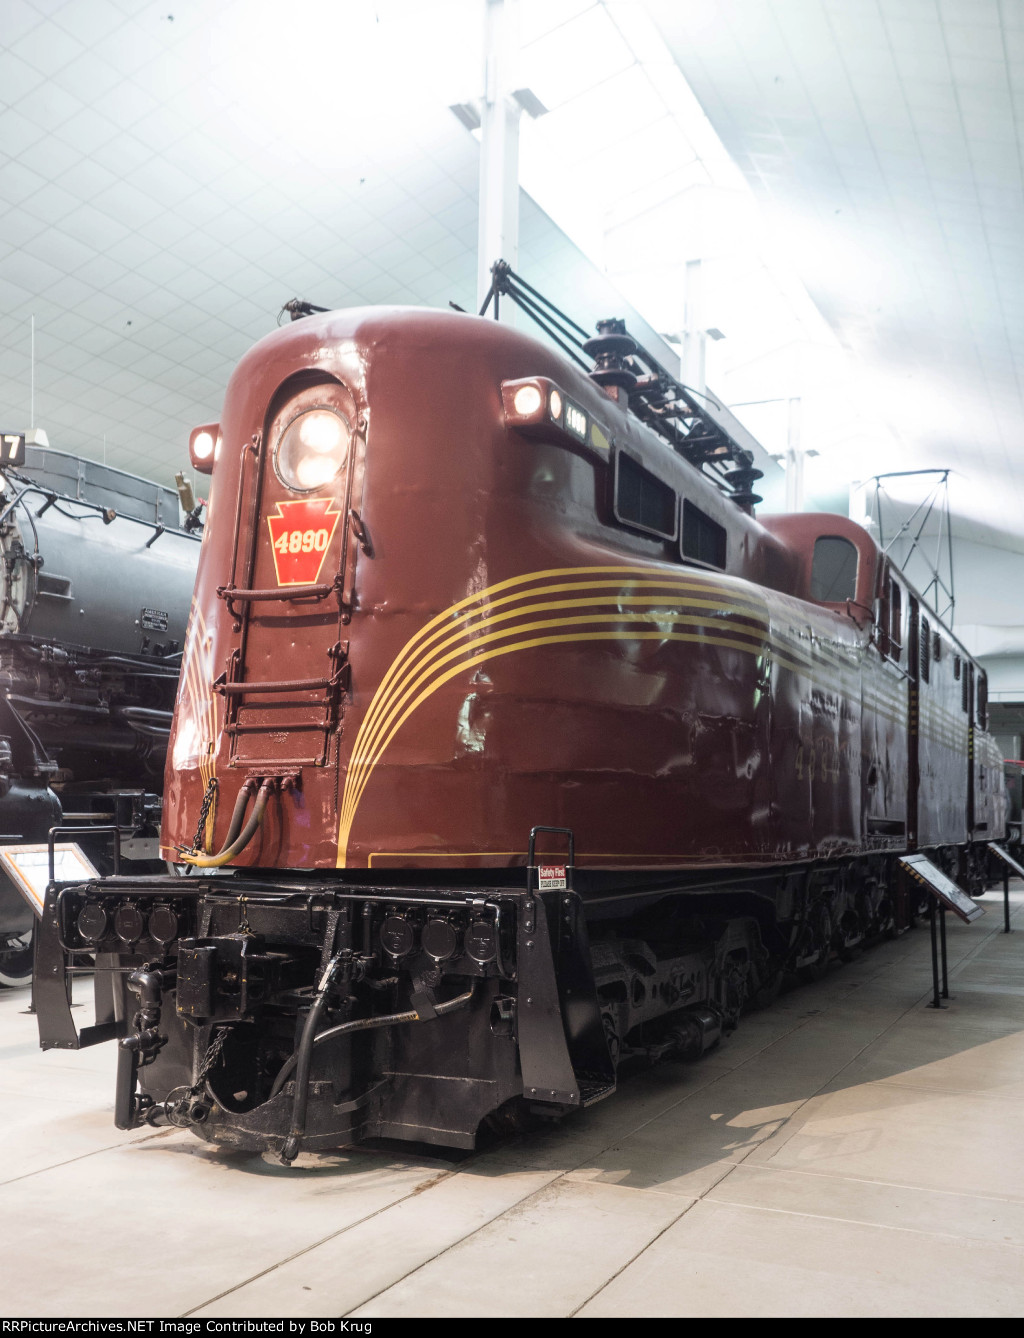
236,843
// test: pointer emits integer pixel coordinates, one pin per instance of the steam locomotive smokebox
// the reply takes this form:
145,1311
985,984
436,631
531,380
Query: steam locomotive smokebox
95,588
81,566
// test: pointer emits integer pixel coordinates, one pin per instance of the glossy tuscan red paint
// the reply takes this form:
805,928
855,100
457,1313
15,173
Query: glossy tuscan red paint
484,647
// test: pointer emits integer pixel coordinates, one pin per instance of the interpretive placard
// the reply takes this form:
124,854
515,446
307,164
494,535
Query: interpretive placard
28,868
951,896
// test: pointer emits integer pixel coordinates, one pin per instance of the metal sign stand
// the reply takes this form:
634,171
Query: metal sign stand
945,895
1008,863
936,1000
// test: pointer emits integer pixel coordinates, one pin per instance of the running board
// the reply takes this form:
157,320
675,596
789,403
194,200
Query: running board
942,887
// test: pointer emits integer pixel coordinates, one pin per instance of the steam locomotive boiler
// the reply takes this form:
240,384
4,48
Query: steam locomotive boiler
95,583
508,745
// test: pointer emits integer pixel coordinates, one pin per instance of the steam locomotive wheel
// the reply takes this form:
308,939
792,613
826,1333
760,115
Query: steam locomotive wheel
16,961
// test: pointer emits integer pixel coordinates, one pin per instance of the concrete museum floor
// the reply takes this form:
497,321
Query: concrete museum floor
849,1151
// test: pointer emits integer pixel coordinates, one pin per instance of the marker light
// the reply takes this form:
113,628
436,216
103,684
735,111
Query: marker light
536,407
312,449
203,447
527,400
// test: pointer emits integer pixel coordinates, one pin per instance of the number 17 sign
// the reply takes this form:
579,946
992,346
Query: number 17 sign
12,448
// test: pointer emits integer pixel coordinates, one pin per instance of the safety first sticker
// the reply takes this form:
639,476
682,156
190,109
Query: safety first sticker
551,877
300,535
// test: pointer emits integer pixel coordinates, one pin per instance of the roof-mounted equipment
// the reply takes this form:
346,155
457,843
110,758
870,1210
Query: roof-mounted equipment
693,424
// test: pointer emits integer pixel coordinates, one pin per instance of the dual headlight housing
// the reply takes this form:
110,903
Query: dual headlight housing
537,407
311,451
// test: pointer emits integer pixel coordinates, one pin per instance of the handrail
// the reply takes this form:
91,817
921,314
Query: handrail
228,593
281,685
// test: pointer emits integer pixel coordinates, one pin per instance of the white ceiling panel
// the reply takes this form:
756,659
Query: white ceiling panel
892,156
166,184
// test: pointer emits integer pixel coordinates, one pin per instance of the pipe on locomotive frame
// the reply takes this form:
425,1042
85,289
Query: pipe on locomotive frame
301,1060
96,738
96,509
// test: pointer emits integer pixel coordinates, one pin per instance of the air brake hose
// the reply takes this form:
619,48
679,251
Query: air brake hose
237,814
303,1056
236,846
234,826
303,1059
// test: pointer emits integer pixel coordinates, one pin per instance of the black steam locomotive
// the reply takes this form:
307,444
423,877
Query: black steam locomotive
96,574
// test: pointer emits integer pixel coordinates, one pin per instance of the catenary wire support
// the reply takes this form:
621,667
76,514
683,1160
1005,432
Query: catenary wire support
936,587
691,421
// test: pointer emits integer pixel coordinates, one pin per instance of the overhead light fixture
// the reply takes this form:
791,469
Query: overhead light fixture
530,102
36,437
468,113
713,333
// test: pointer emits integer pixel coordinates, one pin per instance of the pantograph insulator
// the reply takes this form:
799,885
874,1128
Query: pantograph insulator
740,480
609,348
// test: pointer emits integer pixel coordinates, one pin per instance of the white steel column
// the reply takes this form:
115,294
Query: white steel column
692,363
498,236
794,460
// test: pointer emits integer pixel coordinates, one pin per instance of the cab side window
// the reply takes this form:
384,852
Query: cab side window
833,570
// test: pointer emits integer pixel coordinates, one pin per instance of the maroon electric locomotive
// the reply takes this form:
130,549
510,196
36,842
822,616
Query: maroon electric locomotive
508,744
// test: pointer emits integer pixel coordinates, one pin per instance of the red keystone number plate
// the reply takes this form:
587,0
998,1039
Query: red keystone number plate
300,534
550,877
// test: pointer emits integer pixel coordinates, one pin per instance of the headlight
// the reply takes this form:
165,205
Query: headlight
312,449
527,400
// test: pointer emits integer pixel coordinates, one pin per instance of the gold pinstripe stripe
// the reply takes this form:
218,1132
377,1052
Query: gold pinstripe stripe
413,675
351,802
438,625
386,702
640,856
367,752
743,605
191,680
204,707
207,690
205,710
